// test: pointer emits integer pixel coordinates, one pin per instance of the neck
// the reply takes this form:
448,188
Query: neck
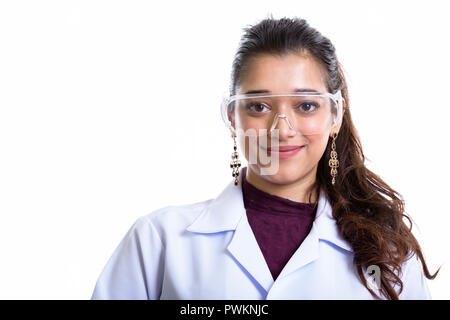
297,190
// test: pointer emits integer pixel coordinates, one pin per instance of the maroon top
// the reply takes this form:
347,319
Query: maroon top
280,225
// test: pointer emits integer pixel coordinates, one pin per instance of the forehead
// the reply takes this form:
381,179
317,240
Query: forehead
283,73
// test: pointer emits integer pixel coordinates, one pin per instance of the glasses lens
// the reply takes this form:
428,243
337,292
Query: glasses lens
308,114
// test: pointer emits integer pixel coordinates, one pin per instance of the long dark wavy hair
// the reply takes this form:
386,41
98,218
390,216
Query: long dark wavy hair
369,214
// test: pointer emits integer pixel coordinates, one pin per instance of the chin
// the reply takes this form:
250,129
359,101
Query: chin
285,175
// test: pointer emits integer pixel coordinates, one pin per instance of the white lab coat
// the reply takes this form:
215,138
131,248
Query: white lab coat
207,250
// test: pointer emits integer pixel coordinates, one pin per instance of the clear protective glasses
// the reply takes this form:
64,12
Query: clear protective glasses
308,113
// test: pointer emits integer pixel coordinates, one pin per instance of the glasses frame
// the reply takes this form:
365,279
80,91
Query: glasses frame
226,100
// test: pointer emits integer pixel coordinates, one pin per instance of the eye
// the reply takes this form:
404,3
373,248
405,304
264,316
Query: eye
256,107
308,106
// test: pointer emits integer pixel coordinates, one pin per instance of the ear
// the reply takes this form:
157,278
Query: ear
230,116
338,126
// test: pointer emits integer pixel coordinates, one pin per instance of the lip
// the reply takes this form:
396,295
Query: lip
284,152
285,148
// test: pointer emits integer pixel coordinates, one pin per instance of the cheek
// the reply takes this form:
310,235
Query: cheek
313,153
248,143
239,123
319,141
249,139
317,146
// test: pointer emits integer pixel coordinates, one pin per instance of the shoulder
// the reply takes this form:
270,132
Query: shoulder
136,267
170,220
415,284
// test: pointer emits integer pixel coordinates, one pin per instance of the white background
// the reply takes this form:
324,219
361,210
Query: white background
110,110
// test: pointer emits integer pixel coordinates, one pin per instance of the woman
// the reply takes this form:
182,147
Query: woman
312,222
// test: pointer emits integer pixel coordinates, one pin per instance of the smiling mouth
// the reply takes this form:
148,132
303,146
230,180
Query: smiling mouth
284,152
283,148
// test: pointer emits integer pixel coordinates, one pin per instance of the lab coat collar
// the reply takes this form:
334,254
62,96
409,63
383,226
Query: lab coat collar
224,213
227,212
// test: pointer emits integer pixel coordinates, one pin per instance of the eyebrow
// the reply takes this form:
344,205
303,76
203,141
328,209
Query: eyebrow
268,91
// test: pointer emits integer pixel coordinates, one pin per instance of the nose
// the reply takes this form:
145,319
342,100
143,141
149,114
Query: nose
285,127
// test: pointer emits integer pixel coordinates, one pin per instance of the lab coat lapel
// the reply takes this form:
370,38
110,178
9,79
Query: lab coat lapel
227,212
308,250
324,228
246,251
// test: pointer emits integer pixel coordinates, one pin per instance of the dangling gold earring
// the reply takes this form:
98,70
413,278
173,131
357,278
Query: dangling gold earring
333,162
235,163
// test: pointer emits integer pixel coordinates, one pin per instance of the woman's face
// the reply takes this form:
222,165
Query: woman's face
280,75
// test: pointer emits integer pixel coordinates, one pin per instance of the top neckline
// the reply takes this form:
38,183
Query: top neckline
255,198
